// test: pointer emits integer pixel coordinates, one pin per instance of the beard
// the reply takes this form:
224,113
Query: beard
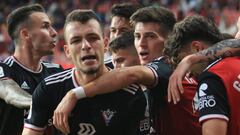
89,71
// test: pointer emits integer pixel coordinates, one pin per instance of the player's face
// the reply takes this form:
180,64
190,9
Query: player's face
148,42
85,45
118,26
42,36
125,58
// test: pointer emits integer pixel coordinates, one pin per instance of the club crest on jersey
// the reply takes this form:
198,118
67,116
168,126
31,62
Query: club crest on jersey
25,85
107,115
1,72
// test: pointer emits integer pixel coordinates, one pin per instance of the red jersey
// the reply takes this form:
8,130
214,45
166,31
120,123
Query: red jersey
219,100
184,116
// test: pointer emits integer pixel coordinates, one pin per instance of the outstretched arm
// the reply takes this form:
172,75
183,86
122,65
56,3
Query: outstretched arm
12,94
109,82
226,48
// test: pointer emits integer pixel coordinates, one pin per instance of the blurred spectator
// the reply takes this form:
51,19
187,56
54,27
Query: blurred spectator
223,12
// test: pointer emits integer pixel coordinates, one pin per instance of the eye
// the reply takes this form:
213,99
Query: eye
136,36
119,60
151,36
46,25
75,41
113,30
124,30
93,38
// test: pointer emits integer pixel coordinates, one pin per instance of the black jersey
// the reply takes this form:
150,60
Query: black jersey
116,113
157,94
172,119
11,118
219,93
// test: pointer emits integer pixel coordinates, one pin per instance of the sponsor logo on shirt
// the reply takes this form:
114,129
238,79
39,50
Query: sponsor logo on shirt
107,115
25,85
195,103
86,129
205,101
145,125
1,72
202,88
236,84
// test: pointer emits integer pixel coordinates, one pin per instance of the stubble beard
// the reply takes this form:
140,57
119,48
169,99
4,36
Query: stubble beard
89,71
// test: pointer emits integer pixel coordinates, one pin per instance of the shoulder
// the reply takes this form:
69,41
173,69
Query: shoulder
51,65
58,77
161,67
158,63
9,61
229,62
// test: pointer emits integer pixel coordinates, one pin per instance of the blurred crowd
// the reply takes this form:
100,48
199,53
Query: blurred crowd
224,12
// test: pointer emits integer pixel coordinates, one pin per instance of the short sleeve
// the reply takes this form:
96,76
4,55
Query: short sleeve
212,98
40,111
5,71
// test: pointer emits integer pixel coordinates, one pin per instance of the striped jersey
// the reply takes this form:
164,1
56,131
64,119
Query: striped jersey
115,113
12,118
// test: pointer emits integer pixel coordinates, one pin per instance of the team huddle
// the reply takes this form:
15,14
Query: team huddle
165,77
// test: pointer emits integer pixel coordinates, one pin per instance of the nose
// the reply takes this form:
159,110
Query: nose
115,34
85,45
53,32
141,42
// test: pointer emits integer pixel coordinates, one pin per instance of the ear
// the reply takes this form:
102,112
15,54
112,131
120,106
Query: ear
67,51
106,40
24,34
197,46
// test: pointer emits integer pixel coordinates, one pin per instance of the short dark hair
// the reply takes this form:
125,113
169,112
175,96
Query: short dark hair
20,16
82,16
191,28
123,41
124,9
160,15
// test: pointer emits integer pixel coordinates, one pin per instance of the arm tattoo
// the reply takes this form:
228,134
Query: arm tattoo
12,94
225,48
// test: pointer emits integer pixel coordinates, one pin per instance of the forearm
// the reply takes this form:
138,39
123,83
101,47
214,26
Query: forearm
119,78
12,94
226,48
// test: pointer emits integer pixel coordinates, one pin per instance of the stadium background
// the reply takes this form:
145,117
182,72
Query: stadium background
224,12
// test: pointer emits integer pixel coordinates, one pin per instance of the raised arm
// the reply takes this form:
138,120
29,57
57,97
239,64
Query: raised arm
226,48
12,94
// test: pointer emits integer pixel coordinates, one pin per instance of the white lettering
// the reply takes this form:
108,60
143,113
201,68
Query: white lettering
206,102
236,85
145,124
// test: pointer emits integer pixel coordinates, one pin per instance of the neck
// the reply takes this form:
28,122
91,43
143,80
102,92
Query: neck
83,78
27,58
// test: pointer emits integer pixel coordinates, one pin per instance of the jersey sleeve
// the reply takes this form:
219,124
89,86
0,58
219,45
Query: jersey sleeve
162,72
212,98
40,111
5,71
